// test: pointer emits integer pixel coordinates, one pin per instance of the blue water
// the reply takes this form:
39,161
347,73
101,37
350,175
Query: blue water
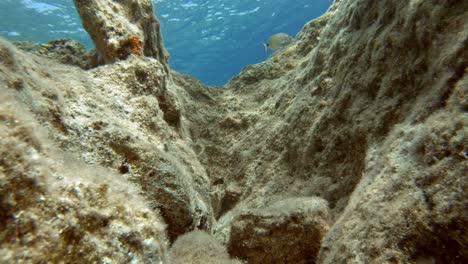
209,39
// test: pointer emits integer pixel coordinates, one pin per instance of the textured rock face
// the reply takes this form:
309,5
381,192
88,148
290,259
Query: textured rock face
66,51
366,109
359,122
288,231
124,117
54,207
121,28
199,247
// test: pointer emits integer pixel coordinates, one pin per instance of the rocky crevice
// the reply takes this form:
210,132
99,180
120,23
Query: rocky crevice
348,146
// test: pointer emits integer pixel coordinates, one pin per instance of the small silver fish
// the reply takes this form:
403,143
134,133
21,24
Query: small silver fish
277,41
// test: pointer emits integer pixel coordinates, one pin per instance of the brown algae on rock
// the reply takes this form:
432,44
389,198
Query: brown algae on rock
347,146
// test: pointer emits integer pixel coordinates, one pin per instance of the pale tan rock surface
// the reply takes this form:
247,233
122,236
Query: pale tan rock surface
286,231
54,208
199,247
366,109
66,51
124,117
373,119
121,28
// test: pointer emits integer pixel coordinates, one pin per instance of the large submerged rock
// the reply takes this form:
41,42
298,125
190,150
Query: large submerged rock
287,231
121,28
199,247
53,206
66,51
366,109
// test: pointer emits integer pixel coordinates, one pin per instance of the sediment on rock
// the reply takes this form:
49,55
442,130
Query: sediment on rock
54,208
66,51
199,247
379,71
287,231
364,114
121,28
124,117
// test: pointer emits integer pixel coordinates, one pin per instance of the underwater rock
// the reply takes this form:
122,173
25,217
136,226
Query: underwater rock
198,247
308,38
116,116
53,207
287,231
121,28
257,72
356,122
285,60
66,51
365,109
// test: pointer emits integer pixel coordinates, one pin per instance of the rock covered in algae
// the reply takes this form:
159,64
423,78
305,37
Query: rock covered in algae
54,207
66,51
121,28
198,247
372,118
287,231
366,110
